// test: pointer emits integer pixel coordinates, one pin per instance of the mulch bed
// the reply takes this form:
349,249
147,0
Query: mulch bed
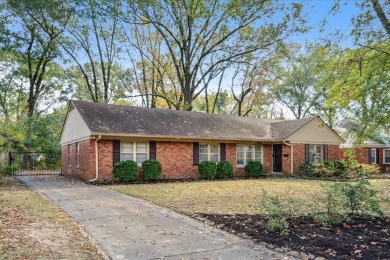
361,238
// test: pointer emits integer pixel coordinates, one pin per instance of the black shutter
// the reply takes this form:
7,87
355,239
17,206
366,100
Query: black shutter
196,153
377,156
369,155
307,157
116,151
223,152
152,150
325,152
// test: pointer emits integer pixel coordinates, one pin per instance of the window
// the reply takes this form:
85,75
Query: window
135,151
315,153
386,156
77,155
246,153
69,155
208,152
373,156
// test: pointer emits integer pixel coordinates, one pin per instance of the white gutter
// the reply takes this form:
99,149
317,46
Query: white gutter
96,159
292,157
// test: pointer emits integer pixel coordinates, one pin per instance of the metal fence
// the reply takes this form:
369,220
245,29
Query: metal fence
35,163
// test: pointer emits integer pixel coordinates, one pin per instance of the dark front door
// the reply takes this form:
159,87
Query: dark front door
277,157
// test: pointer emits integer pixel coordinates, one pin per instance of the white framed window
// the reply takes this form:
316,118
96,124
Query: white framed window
246,153
208,152
77,154
373,155
316,152
136,151
386,156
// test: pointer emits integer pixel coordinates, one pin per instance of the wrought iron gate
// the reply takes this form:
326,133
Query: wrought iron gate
35,163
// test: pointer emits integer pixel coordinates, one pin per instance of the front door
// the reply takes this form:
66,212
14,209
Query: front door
277,156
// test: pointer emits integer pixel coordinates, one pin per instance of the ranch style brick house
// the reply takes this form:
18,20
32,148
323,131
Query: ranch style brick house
370,151
95,136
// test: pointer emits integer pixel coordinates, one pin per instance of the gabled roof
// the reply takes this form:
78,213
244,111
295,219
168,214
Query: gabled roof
113,120
283,129
347,131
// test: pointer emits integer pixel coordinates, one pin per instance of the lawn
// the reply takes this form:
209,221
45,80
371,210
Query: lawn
233,196
31,227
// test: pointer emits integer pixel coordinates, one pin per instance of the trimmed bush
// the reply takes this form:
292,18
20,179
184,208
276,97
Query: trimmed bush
151,169
126,171
224,170
254,169
207,169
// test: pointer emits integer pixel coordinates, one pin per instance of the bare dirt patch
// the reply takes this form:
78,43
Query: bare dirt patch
31,227
361,238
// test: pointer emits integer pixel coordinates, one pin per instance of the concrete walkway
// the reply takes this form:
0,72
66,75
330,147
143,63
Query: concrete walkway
131,228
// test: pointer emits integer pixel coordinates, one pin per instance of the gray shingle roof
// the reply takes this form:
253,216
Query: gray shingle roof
140,121
283,129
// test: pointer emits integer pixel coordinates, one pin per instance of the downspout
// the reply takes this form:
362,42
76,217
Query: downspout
292,157
96,160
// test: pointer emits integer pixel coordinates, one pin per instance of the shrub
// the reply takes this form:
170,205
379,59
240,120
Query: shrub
9,170
126,171
344,200
279,210
224,170
254,169
151,169
306,168
207,169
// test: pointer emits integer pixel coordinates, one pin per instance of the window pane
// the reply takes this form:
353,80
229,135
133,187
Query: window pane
127,147
213,148
126,156
240,148
258,155
241,155
142,147
311,148
203,148
318,149
387,153
250,156
203,157
214,157
240,162
141,157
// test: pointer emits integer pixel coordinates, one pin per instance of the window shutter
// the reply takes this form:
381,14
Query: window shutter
307,158
377,155
223,152
369,155
152,150
196,153
325,152
116,151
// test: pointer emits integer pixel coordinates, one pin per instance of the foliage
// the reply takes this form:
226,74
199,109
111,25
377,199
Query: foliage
278,210
224,170
343,200
126,171
9,170
254,169
207,169
151,169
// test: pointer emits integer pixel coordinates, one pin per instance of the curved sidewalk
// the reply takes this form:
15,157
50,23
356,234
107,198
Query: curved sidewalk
130,228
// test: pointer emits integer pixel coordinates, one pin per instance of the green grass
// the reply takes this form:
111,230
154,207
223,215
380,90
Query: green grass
234,196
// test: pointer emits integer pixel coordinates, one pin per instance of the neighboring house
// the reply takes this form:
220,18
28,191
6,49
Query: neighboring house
95,136
369,151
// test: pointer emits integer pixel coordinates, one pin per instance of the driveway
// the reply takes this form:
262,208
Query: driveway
130,228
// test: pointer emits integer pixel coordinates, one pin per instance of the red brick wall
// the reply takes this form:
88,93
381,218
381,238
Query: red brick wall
86,168
299,155
176,160
267,157
361,155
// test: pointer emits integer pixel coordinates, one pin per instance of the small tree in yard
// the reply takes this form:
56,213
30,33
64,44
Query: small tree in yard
126,171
